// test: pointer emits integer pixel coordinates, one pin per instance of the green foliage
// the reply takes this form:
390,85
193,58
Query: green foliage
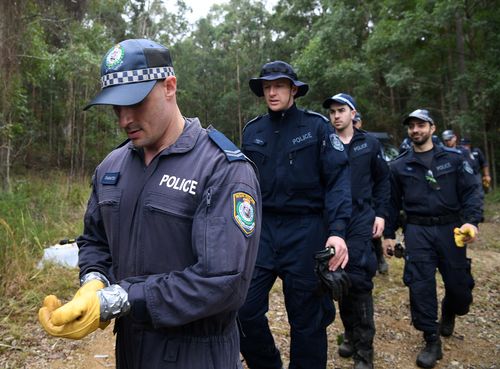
39,212
392,56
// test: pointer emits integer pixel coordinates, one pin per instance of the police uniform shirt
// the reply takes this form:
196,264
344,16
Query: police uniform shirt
451,189
303,167
369,171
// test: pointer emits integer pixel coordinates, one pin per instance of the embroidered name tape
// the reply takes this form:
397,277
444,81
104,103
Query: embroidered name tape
110,178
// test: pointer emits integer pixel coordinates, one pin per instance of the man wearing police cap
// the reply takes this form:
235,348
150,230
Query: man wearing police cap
171,229
304,178
370,189
436,188
480,161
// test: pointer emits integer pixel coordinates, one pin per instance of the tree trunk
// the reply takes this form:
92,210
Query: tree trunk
462,92
238,88
11,29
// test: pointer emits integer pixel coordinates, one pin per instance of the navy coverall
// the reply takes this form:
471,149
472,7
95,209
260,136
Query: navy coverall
303,174
435,200
181,236
370,189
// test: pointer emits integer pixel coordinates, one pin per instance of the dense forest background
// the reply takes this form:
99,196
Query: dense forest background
393,56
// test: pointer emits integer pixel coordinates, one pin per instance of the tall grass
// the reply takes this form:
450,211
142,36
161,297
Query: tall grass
39,212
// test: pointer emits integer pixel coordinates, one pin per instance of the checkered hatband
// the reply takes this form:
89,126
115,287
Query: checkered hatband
138,75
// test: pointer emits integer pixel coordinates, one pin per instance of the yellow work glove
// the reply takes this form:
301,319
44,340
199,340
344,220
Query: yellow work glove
77,318
462,234
486,183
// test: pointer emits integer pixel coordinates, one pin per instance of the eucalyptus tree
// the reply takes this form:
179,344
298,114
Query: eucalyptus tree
440,55
228,47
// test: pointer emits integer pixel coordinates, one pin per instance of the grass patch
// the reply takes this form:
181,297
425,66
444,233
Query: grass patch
38,213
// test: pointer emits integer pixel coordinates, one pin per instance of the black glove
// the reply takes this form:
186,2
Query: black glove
336,283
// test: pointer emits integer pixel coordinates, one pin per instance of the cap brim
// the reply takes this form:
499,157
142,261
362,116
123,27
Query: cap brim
328,102
256,84
418,116
123,95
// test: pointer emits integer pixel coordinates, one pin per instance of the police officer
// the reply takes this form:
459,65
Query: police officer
483,170
370,190
303,171
382,266
171,229
436,188
451,140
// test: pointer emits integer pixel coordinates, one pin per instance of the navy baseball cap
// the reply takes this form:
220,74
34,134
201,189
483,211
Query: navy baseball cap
130,70
341,98
275,70
357,117
447,135
421,114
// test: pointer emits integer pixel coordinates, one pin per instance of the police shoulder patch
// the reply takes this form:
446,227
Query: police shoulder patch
244,212
467,168
336,143
225,144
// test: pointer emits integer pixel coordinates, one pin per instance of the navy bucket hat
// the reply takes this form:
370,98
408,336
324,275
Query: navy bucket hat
421,114
130,70
275,70
341,98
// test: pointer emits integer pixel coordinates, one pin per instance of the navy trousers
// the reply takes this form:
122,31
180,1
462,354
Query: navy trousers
429,248
287,247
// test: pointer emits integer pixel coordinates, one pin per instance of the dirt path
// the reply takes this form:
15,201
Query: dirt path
474,345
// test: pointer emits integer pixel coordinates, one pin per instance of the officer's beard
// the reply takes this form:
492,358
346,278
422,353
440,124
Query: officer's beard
420,139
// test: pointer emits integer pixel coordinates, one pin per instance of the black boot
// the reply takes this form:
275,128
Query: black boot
361,364
447,323
346,348
431,353
383,267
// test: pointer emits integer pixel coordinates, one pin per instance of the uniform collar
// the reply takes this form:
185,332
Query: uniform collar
283,114
188,137
185,142
358,134
438,151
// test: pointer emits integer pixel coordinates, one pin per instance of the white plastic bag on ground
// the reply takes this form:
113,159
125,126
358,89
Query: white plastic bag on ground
65,255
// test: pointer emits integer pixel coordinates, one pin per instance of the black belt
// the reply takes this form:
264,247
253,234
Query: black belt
432,220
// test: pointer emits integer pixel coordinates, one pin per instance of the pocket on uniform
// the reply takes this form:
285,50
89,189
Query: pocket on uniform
109,206
166,244
303,174
219,262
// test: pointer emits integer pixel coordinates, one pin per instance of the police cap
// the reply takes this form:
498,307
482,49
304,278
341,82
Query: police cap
129,71
421,114
447,135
